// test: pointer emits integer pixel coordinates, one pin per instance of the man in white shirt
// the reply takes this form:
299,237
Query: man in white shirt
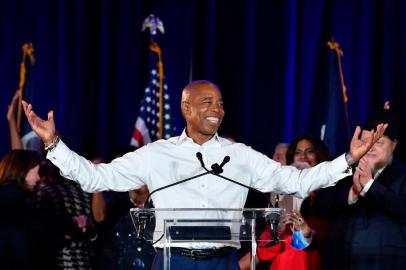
168,161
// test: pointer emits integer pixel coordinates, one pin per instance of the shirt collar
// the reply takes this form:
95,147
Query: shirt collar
379,172
185,138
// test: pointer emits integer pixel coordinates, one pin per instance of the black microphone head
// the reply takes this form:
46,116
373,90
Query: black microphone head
225,160
200,158
273,218
216,168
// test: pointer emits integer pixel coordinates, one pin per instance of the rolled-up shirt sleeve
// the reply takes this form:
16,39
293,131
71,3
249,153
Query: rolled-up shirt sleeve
122,174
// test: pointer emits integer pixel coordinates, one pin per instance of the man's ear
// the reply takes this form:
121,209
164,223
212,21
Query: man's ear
185,107
395,142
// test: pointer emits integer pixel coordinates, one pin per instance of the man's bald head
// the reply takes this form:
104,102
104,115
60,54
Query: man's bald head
195,86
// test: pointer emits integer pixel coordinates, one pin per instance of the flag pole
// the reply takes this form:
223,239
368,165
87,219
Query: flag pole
153,24
28,50
335,46
155,48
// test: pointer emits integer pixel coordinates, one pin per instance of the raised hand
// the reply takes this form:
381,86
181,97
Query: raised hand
45,129
293,221
15,139
359,148
11,112
298,222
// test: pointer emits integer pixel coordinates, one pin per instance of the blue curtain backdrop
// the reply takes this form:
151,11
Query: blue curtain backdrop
270,59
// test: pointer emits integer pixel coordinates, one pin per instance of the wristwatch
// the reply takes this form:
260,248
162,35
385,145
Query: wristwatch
52,146
349,159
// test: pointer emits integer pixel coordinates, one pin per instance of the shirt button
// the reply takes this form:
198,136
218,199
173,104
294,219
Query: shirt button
203,205
203,185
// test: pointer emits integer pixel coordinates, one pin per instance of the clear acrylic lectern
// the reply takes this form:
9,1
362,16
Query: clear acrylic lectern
201,228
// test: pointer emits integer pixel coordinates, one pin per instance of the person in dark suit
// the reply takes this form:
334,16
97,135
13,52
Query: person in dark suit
367,211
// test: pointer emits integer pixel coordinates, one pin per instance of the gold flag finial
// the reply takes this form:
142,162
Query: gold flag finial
335,46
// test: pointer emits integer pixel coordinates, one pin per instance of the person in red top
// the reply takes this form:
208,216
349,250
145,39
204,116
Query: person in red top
301,232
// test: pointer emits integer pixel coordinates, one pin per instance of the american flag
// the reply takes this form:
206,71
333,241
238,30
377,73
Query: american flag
146,128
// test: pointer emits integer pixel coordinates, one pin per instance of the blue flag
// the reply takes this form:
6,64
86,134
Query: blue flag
335,131
154,120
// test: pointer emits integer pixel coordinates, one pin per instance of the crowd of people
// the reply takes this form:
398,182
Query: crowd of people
65,212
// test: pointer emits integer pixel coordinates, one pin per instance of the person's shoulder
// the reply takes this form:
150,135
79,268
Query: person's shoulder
229,142
398,168
245,148
171,140
236,147
159,145
226,141
398,164
164,142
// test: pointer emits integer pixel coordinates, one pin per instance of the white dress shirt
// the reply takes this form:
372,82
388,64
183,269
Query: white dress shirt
168,161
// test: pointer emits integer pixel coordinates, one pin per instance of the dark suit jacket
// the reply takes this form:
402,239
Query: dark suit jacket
370,234
14,236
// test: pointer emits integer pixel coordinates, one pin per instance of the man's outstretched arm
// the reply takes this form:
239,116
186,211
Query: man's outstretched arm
122,174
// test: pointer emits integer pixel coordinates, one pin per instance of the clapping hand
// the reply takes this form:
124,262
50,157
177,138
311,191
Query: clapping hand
362,175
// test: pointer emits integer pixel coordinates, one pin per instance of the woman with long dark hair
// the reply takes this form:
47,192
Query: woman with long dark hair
18,177
303,152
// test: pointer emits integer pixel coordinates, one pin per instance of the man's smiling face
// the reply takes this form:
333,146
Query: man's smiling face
202,107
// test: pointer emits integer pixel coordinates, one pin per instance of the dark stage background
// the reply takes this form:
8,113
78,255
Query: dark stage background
269,58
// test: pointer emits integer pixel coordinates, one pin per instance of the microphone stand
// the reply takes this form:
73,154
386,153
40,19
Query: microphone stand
218,169
272,219
144,217
176,183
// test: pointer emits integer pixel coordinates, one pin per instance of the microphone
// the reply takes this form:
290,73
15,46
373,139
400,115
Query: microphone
141,220
144,218
225,161
217,169
200,158
176,183
273,220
